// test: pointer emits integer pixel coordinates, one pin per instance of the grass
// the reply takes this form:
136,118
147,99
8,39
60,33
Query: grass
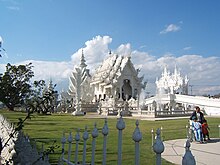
49,128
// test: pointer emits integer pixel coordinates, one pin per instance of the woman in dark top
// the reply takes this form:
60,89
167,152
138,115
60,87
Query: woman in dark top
198,114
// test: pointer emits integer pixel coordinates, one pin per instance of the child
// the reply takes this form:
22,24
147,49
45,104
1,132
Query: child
197,128
205,130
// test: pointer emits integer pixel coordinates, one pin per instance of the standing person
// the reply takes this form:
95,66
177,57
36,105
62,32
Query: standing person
205,130
198,114
197,128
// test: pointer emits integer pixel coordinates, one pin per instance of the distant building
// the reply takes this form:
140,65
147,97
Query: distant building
172,98
172,83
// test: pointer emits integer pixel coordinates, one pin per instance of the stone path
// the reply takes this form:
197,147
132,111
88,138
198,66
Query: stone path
205,154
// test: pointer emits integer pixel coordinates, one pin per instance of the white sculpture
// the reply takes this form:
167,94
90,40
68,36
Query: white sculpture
79,86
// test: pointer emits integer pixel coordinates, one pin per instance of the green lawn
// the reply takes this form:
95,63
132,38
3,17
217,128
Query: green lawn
46,129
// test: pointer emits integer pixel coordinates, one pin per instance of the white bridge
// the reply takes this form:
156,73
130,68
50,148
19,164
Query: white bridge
182,103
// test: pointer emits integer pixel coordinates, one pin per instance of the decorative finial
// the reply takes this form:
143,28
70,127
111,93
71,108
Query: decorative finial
77,136
95,131
120,124
158,145
83,64
105,128
188,158
70,138
137,135
85,134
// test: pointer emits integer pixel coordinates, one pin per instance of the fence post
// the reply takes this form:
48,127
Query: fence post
137,137
120,126
94,136
77,138
85,138
218,130
152,137
187,131
158,147
70,140
105,133
188,158
63,141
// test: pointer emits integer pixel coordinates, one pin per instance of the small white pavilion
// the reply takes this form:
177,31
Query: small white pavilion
172,98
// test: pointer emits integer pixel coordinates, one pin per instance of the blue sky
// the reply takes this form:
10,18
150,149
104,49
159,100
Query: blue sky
51,33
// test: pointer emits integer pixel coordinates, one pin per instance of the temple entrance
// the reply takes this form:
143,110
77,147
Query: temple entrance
126,90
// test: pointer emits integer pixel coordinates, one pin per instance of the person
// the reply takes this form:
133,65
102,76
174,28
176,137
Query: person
198,114
205,130
197,128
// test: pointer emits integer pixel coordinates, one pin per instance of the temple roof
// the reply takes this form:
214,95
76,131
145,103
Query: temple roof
111,69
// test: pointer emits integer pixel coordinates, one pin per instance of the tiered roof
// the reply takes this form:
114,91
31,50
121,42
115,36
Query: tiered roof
110,69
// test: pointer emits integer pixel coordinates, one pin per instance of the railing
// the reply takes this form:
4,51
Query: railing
157,144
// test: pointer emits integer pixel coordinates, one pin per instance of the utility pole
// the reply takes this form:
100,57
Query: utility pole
191,88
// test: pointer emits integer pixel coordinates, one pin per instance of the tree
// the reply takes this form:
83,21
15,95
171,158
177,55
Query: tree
43,99
15,85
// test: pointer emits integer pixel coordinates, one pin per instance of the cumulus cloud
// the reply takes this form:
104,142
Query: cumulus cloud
95,51
203,72
58,72
170,28
124,49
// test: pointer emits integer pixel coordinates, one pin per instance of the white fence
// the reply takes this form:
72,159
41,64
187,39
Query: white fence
17,148
158,146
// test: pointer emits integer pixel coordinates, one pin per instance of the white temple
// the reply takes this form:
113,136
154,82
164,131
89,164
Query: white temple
116,78
115,82
172,98
115,88
172,83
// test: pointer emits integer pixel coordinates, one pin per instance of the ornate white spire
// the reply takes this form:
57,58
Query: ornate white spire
83,64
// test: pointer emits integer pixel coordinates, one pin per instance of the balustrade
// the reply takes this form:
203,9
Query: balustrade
16,146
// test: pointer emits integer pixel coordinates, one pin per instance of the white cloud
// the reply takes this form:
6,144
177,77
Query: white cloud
58,72
170,28
203,72
187,48
95,51
1,40
124,49
16,8
12,4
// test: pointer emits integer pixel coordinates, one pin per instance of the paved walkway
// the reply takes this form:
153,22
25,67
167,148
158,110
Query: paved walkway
205,154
